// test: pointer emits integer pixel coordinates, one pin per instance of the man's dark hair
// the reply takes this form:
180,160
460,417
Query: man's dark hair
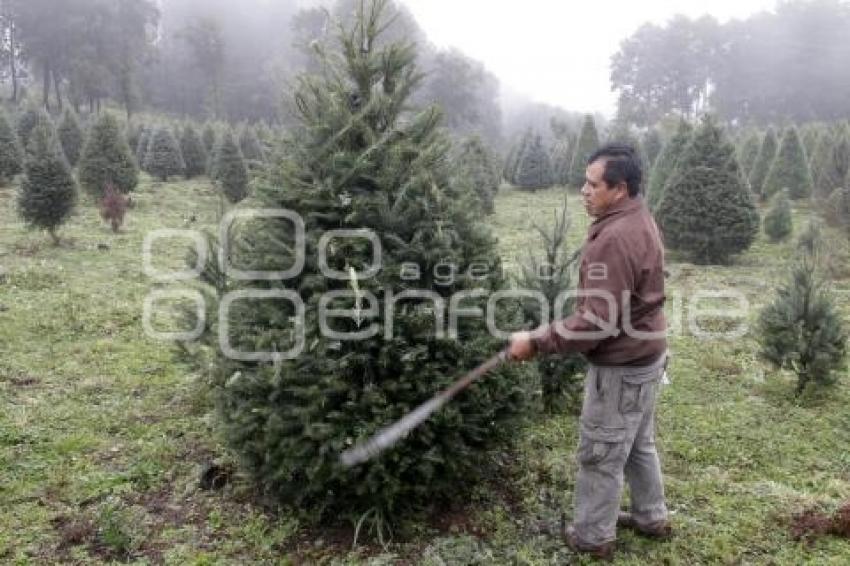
621,164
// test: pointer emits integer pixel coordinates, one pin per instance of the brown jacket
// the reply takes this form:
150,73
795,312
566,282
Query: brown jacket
621,286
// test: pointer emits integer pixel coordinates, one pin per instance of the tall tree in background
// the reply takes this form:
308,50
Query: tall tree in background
206,40
706,209
587,143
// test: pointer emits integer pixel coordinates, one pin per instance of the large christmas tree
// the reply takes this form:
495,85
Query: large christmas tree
361,160
48,191
706,209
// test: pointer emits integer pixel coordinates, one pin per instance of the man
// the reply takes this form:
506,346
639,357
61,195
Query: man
619,326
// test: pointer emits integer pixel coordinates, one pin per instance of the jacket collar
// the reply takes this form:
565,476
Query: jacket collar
625,206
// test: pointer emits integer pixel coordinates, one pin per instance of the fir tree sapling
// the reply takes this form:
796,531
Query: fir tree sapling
106,159
777,221
48,192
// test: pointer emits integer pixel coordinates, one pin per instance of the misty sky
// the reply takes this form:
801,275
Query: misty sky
556,51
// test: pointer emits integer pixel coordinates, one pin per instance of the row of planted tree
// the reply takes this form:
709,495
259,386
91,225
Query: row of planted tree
108,156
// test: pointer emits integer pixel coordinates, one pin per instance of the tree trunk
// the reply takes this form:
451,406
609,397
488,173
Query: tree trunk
46,86
53,235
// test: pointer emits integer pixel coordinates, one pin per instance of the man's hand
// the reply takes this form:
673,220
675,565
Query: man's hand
521,347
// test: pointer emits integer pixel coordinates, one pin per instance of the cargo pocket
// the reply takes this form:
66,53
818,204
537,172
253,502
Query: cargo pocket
599,444
634,389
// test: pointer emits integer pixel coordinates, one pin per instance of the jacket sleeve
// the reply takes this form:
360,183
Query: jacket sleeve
607,272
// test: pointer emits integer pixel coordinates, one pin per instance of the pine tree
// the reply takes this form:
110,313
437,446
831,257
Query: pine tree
209,138
11,154
790,169
106,159
289,420
652,146
141,148
665,164
706,209
562,157
810,137
230,171
194,154
517,153
561,376
534,170
71,136
801,329
587,143
764,159
250,145
27,121
475,169
163,157
777,221
48,191
837,209
833,166
748,152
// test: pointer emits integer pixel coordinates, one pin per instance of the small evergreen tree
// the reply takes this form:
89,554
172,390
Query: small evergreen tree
11,154
140,150
764,159
748,152
561,375
209,138
837,209
517,153
534,170
562,157
587,143
48,191
27,121
106,159
777,221
252,149
71,136
194,154
810,135
475,168
790,169
801,329
163,157
665,164
833,166
230,171
706,209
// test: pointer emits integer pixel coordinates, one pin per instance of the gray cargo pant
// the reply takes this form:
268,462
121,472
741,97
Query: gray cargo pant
617,438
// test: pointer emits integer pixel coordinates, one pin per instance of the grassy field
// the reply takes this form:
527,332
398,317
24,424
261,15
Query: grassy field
103,434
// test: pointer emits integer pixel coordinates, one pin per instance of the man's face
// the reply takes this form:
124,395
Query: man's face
596,194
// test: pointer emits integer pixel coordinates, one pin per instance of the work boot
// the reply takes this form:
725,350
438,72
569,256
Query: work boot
604,551
661,530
